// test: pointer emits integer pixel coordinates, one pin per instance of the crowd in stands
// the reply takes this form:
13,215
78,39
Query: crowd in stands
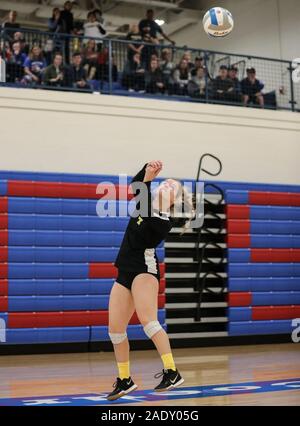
76,62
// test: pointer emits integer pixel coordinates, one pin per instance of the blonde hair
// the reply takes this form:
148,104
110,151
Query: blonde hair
184,198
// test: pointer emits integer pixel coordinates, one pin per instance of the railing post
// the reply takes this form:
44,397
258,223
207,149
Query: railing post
292,100
110,65
206,76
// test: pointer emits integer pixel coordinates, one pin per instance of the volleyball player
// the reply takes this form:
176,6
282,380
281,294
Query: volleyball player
137,284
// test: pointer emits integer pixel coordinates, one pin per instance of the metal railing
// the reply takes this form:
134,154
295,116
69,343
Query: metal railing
112,67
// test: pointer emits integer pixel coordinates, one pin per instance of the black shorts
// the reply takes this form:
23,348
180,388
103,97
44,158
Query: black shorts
126,278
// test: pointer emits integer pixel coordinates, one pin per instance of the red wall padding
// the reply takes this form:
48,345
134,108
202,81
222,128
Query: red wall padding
275,312
3,303
3,270
236,211
238,226
240,299
275,255
64,190
3,287
3,238
274,198
3,204
3,221
238,241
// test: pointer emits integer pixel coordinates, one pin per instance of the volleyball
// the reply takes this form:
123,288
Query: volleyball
218,22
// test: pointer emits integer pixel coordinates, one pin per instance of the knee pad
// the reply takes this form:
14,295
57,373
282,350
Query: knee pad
152,328
117,338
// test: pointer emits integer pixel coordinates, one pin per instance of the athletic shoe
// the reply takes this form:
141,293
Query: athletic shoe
121,387
170,380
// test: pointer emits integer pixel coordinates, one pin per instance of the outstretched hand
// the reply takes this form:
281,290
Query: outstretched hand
152,170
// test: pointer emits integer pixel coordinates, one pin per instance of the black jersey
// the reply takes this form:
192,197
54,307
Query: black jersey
143,234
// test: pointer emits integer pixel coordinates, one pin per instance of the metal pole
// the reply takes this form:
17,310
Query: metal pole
110,65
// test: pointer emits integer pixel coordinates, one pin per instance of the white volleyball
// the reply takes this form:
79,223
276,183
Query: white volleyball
218,22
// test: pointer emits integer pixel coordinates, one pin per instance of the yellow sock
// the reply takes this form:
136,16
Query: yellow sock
168,362
124,372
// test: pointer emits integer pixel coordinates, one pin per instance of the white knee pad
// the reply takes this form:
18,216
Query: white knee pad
117,338
152,328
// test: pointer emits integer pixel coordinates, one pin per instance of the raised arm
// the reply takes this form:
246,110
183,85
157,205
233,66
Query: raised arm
148,172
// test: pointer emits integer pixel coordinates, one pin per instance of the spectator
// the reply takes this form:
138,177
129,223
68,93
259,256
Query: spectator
34,65
135,46
199,63
188,58
55,23
18,36
66,18
67,27
154,78
134,74
155,29
197,84
232,75
11,21
149,47
54,73
181,77
76,74
90,59
94,29
15,63
222,86
167,66
252,89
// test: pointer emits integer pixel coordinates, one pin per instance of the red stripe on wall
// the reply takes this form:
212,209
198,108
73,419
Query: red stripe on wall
66,190
274,198
4,237
3,204
275,255
4,221
3,270
3,303
240,299
60,319
275,312
162,285
238,241
238,226
236,211
3,254
108,270
3,288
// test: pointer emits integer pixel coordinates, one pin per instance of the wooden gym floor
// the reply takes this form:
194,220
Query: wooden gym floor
30,377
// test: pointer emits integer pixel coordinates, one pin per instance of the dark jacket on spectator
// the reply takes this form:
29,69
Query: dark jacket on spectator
67,21
222,84
52,72
249,88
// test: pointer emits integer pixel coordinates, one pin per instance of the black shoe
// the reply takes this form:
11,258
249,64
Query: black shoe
121,387
171,379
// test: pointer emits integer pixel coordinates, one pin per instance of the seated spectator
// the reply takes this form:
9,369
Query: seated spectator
134,74
154,28
154,78
232,75
252,89
15,63
34,66
94,29
222,86
18,36
135,46
54,74
76,75
197,84
90,59
188,58
167,66
199,63
181,77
